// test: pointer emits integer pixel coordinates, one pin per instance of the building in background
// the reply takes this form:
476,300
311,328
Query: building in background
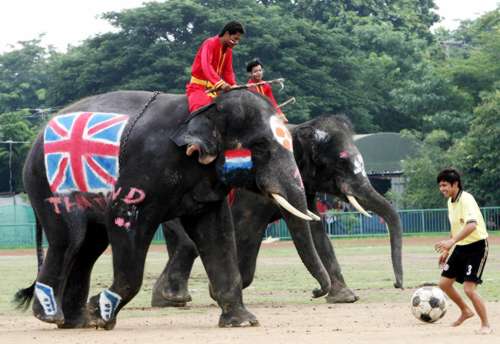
383,154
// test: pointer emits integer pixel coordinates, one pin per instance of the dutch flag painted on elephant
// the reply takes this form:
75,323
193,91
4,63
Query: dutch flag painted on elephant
237,159
81,151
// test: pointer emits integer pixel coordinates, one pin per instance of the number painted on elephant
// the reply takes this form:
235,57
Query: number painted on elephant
81,151
45,295
281,133
237,159
359,165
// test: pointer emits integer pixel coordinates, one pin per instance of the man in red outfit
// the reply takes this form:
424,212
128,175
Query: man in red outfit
256,72
213,66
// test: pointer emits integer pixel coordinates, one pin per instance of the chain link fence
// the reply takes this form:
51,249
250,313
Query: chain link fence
17,224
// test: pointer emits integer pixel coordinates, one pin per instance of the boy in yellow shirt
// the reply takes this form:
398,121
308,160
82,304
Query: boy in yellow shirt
469,238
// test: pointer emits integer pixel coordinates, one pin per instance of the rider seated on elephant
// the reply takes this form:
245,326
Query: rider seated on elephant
213,66
256,73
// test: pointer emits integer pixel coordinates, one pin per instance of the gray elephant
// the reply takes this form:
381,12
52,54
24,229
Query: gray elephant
329,162
98,174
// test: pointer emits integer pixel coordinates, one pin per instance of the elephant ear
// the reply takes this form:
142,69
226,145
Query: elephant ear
305,142
200,135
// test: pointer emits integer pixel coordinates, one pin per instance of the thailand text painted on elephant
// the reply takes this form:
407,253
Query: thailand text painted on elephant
150,161
329,162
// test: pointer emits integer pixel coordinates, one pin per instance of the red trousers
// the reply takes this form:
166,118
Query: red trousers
197,97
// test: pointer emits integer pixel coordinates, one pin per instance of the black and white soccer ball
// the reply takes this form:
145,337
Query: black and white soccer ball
429,304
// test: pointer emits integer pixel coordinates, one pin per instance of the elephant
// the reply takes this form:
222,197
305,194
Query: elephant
110,168
328,161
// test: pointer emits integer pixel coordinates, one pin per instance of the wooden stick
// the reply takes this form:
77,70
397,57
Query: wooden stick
289,101
240,87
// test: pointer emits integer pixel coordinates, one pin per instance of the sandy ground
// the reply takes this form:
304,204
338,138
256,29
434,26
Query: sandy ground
280,323
348,323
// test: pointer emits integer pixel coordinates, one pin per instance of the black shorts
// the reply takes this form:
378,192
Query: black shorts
467,262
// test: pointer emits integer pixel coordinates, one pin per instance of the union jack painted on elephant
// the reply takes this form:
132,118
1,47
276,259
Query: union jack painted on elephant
81,151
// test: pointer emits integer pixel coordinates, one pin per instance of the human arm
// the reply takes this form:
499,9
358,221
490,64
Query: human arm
206,58
446,245
227,72
268,91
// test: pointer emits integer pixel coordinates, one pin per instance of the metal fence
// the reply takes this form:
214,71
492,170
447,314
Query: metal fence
17,228
414,221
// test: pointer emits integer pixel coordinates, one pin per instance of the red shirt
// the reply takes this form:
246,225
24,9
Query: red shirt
267,91
212,64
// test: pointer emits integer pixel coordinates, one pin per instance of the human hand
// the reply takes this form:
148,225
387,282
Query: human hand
225,86
442,259
444,245
283,117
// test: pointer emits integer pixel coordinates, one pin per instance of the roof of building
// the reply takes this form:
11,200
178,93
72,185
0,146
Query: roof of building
384,152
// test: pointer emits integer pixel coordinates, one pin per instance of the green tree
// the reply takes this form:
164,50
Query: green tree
14,127
477,154
421,190
23,77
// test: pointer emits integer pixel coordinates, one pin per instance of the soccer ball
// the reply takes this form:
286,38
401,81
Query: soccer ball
429,304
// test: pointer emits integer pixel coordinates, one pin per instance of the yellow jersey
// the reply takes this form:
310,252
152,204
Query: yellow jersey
463,211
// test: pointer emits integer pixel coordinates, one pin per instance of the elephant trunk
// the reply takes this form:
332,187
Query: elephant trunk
302,238
287,191
372,200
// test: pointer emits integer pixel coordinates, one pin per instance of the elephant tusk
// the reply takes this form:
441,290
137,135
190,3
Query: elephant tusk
290,208
313,215
356,205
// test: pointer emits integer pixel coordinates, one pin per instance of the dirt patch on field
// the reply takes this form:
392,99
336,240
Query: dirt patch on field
348,323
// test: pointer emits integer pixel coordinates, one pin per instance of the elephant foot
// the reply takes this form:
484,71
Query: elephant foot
95,319
39,313
238,318
68,324
168,298
343,295
52,319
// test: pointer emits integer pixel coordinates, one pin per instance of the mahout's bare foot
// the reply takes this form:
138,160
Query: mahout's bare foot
464,316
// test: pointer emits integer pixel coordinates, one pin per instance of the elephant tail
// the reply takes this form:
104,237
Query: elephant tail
23,297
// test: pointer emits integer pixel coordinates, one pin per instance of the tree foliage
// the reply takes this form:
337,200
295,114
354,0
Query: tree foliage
376,61
469,114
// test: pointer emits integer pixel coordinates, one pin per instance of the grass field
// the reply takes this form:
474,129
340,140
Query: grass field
280,297
280,277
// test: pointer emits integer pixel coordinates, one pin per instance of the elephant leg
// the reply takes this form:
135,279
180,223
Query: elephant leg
249,229
248,250
65,237
77,287
339,292
171,288
214,237
129,238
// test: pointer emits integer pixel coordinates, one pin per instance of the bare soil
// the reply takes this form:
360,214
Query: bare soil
347,323
378,322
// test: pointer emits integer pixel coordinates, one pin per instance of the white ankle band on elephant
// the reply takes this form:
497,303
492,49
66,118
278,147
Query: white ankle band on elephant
45,295
108,302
